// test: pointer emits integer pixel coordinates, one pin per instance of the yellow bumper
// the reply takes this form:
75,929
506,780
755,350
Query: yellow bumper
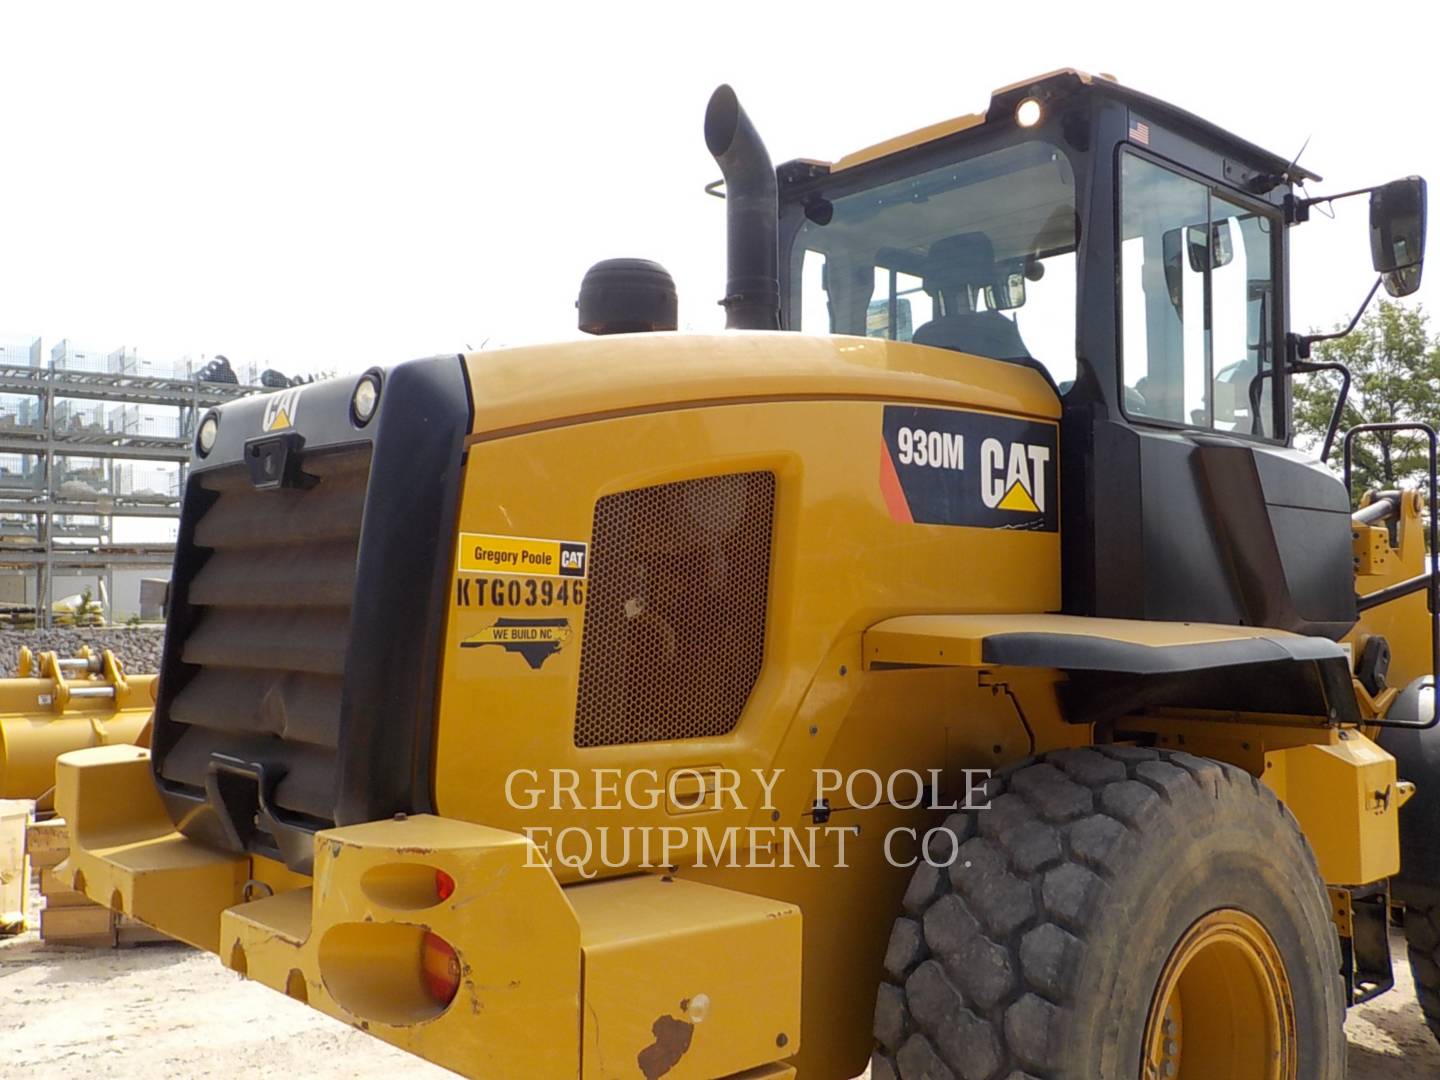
636,977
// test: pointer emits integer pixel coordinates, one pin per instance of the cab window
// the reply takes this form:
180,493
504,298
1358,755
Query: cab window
1197,300
977,256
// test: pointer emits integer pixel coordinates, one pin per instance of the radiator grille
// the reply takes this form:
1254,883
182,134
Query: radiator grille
264,658
674,632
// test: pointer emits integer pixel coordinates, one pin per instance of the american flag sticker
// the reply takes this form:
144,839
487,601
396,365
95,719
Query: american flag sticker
1140,132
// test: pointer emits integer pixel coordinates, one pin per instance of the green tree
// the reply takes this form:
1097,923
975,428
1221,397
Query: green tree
1395,367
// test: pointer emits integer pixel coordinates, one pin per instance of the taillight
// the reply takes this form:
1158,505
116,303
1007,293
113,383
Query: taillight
444,885
440,968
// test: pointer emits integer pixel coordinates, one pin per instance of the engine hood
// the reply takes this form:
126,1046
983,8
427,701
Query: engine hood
536,387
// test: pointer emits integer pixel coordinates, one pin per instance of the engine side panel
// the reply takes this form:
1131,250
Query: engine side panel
848,547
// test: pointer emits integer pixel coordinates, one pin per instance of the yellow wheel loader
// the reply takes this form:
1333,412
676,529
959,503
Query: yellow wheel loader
955,666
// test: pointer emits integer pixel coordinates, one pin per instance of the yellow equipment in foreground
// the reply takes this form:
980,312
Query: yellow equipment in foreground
972,678
55,704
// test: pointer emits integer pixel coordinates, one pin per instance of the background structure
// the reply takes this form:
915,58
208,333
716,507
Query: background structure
93,451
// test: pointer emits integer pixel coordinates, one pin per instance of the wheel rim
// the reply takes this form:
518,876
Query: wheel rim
1223,1006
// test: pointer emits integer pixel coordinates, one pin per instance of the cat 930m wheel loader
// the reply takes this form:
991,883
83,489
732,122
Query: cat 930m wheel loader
956,665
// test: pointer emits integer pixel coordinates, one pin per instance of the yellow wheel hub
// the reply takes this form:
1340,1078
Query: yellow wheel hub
1223,1006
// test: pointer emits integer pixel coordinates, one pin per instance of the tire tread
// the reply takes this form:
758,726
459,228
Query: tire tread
1022,898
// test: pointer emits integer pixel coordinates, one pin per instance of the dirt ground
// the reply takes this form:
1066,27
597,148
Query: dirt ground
166,1010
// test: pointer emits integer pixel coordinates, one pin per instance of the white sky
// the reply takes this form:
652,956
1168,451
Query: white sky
329,186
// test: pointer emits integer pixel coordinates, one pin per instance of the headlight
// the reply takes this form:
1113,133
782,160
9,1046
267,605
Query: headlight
1027,113
365,398
205,436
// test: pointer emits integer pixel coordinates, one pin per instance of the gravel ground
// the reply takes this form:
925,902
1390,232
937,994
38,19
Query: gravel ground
170,1011
137,648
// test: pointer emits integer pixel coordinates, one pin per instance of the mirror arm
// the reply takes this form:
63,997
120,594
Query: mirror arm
1299,209
1301,343
1342,195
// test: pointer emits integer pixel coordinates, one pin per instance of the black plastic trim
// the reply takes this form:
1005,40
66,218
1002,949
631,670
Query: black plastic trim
402,584
1083,652
1109,679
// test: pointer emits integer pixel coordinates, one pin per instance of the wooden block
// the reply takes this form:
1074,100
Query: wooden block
47,842
14,865
92,925
131,932
68,898
58,893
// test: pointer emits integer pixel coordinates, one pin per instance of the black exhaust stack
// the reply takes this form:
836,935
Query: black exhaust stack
752,213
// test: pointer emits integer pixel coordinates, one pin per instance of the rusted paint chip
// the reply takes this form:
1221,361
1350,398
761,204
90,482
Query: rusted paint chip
672,1039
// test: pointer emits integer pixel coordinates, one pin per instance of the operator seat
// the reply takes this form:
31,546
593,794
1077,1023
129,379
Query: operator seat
956,265
980,333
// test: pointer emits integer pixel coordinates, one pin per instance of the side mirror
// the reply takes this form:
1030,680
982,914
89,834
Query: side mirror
1397,234
1217,251
1007,293
1200,248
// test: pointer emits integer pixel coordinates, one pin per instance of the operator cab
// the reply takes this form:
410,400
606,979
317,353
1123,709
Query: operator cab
1136,254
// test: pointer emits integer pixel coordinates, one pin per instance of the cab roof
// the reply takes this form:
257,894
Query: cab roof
1063,83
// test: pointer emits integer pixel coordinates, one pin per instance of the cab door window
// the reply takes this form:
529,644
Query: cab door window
1197,303
1242,319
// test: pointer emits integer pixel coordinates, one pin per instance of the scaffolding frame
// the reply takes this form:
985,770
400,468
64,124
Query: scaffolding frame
47,506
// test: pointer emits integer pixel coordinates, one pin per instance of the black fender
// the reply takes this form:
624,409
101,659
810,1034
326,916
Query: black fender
1417,759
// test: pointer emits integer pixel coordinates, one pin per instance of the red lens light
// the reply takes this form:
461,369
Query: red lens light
444,885
440,968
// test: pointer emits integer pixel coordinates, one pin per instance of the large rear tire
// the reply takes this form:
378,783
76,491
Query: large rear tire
1117,914
1422,935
